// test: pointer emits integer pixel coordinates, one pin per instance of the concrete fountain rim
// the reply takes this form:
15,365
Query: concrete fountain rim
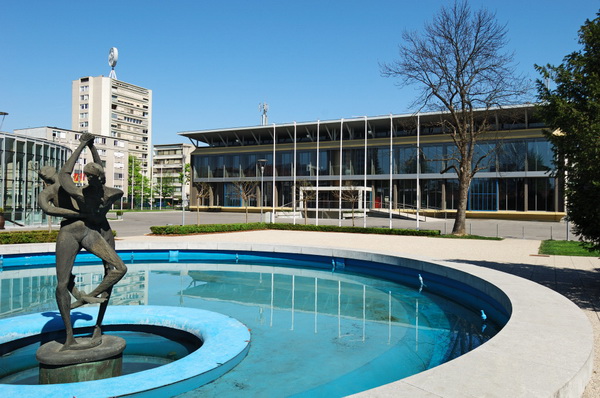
225,343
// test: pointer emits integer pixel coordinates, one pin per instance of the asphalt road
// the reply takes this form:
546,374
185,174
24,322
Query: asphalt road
139,223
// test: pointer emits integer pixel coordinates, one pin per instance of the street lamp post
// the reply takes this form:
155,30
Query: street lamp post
160,194
132,178
261,164
142,190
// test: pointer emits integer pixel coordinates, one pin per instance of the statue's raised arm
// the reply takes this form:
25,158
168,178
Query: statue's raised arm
64,176
53,200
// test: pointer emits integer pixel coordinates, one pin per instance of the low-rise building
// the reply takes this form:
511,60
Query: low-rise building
169,174
380,154
21,157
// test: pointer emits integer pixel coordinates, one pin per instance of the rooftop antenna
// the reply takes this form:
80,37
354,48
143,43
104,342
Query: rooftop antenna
113,57
263,108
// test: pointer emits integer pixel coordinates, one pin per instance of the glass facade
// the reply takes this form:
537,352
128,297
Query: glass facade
21,157
514,171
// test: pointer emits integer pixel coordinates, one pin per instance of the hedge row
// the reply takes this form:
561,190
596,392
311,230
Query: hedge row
34,236
215,228
37,236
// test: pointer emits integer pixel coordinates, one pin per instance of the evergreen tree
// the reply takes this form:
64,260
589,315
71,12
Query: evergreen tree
571,110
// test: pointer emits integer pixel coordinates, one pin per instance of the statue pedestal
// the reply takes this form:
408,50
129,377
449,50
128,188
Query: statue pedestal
71,366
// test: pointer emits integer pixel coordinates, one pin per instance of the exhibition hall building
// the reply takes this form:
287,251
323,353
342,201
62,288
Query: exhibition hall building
317,164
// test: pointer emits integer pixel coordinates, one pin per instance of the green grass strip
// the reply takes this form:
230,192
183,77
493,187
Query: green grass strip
567,248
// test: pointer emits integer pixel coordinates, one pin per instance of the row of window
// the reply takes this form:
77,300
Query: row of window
511,156
163,152
132,120
486,194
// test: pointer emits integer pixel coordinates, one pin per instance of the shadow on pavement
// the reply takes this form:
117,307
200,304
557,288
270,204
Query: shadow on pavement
580,286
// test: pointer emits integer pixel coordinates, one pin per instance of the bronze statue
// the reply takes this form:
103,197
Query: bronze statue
85,226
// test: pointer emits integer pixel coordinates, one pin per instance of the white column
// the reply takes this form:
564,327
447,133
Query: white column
294,177
317,182
418,167
391,166
273,172
364,195
340,173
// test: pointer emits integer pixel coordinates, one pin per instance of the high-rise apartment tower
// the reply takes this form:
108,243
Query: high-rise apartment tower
111,108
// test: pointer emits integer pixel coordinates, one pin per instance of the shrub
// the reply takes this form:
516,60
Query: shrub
34,236
38,236
214,228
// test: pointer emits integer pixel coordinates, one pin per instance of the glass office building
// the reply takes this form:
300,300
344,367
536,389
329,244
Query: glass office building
21,157
380,155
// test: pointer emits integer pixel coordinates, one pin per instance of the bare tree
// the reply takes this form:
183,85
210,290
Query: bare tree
246,191
203,191
350,194
306,196
458,64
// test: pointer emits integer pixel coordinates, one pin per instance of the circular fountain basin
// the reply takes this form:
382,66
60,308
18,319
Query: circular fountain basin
545,349
225,342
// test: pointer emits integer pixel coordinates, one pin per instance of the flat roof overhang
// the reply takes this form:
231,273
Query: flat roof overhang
260,133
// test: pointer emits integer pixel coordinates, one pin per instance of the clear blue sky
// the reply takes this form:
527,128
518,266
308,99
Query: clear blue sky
210,63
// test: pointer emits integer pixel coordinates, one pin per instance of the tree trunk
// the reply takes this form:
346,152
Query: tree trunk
460,222
305,213
198,211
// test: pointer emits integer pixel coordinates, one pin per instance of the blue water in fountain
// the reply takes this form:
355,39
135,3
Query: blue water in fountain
314,332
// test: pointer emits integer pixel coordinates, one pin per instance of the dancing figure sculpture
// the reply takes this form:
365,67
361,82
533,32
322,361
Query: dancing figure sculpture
85,226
